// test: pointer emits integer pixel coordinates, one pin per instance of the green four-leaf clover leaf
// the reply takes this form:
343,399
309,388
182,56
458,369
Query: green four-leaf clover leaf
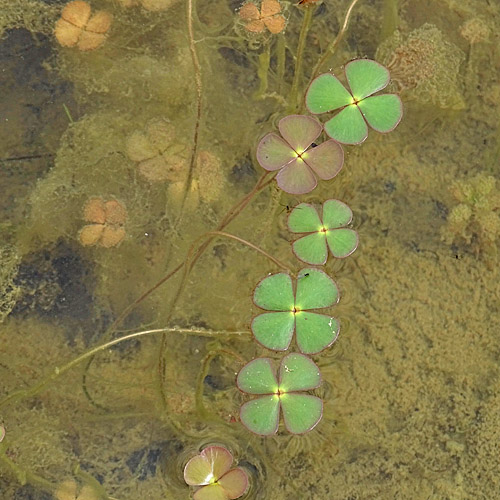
301,412
358,106
291,311
323,233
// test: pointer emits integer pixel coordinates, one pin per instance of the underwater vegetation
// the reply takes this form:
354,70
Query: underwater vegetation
131,143
475,220
107,219
80,27
269,16
425,66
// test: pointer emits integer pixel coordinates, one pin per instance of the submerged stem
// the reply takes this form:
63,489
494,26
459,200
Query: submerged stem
58,371
333,44
306,25
198,82
205,367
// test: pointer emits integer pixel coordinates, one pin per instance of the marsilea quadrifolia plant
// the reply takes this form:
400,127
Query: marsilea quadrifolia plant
290,302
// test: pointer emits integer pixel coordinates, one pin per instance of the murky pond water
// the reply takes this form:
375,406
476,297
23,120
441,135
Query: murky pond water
128,131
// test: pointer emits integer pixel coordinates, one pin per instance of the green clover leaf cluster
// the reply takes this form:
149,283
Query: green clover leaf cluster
358,106
291,302
292,311
324,232
301,412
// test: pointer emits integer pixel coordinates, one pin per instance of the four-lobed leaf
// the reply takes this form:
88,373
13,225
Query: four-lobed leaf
211,472
298,163
301,412
291,311
321,233
359,107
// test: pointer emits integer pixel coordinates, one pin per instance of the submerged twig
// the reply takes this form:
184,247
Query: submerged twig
333,44
196,133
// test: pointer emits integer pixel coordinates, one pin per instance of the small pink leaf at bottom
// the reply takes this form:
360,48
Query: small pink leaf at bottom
197,471
219,458
235,482
211,492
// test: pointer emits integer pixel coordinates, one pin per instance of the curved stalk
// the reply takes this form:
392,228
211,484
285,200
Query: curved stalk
333,45
205,367
58,371
304,30
196,133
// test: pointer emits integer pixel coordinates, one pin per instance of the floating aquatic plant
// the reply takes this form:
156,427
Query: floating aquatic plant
160,156
211,472
269,17
301,412
358,106
107,219
299,163
324,232
78,27
291,311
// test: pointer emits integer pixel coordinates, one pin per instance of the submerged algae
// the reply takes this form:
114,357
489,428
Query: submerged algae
411,411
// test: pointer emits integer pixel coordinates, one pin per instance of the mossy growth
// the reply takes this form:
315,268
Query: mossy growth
9,291
475,220
425,66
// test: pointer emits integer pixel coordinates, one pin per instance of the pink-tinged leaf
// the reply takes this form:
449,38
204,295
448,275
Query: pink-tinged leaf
296,178
219,458
235,482
326,160
300,131
211,464
211,492
198,471
273,152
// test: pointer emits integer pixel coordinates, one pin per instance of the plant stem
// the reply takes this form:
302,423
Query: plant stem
24,476
196,133
251,245
306,24
333,45
262,72
211,235
58,371
205,367
390,19
281,60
